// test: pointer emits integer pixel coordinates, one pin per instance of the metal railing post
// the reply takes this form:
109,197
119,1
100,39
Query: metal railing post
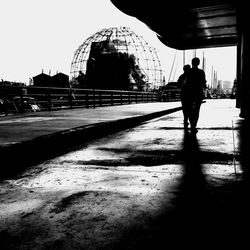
93,98
70,98
87,99
100,99
5,100
49,98
112,99
21,100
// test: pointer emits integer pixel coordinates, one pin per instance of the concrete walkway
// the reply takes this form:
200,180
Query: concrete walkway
184,191
19,128
30,138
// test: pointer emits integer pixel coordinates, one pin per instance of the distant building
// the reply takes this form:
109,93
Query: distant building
219,87
42,80
10,83
227,86
59,80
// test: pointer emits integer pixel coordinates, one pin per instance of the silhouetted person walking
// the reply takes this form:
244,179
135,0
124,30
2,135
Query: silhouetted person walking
184,93
192,94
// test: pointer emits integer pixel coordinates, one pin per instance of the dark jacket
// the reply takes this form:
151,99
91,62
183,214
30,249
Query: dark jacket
193,84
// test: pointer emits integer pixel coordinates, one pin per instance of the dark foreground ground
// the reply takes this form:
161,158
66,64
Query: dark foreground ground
153,186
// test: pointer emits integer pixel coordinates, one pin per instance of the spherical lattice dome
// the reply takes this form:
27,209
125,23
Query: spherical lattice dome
113,47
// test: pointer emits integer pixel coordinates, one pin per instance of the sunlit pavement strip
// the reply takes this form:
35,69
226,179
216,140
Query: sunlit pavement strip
118,178
56,182
134,180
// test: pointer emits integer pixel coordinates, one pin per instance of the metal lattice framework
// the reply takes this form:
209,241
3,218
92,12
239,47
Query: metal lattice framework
124,40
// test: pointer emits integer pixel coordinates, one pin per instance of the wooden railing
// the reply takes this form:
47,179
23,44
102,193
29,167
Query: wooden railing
29,98
15,99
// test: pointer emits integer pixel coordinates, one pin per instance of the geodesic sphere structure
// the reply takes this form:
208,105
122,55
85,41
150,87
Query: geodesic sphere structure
116,58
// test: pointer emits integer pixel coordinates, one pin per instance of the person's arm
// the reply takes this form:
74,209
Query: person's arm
179,82
204,81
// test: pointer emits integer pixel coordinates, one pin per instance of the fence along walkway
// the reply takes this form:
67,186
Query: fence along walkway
29,98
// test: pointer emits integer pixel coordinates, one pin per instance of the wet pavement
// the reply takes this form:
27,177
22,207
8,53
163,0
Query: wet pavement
153,186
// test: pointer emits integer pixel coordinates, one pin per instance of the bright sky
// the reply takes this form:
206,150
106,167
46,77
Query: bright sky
43,35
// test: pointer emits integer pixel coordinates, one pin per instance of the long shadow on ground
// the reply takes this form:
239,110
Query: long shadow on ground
206,212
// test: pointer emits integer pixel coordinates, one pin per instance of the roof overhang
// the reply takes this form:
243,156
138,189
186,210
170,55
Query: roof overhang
189,25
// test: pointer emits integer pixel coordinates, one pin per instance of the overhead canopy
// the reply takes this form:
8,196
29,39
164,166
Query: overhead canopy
187,24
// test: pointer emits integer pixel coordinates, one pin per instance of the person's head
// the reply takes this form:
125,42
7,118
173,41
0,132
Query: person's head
195,62
186,68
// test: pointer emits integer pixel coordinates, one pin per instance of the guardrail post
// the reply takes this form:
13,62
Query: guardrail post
169,96
70,98
87,99
49,98
93,98
100,99
112,99
5,101
21,100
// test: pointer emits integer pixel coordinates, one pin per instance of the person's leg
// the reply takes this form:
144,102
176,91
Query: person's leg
195,115
186,111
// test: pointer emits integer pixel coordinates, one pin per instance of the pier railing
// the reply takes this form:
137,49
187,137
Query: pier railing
15,99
